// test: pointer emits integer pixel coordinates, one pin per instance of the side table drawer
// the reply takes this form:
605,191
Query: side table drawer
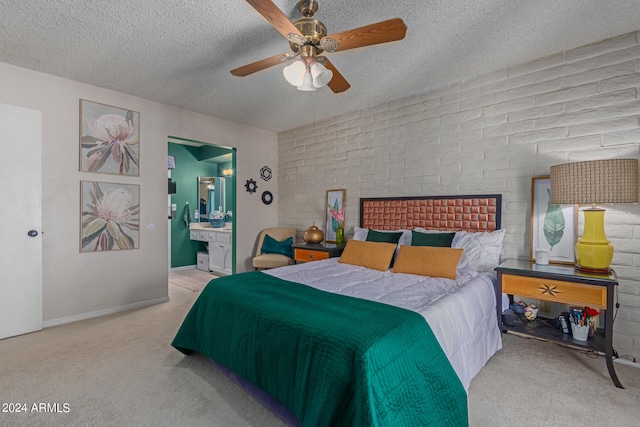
305,255
555,290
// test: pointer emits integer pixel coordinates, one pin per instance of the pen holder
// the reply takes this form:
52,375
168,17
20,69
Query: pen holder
580,333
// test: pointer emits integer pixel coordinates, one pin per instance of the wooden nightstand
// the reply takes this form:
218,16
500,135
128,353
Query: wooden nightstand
562,284
316,252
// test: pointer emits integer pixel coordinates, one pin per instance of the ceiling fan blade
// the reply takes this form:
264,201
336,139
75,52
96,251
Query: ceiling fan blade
254,67
338,83
274,16
380,32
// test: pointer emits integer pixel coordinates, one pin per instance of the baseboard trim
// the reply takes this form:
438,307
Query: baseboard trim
98,313
186,267
622,361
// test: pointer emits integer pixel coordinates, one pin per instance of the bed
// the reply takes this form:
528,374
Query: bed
339,343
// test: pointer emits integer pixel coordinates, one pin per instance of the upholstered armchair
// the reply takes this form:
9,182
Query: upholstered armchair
276,251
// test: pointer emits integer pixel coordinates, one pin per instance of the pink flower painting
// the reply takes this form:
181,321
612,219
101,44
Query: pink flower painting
110,216
109,139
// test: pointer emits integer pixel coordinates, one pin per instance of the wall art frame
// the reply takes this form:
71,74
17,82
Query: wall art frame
109,139
334,208
553,227
109,216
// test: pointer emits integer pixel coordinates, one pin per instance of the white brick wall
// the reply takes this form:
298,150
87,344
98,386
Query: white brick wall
490,134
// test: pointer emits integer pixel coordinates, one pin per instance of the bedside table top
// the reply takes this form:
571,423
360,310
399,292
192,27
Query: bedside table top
317,246
527,268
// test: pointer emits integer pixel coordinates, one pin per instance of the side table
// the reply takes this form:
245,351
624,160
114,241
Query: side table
562,284
315,252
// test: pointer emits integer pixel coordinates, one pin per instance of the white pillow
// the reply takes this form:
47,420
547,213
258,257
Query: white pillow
361,234
482,250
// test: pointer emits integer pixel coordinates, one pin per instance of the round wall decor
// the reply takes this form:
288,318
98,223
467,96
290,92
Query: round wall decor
267,197
251,186
265,173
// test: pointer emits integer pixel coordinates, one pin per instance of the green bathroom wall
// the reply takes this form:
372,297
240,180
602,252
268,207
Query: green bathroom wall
188,168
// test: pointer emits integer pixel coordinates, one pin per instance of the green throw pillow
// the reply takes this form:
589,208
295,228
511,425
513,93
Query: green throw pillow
272,246
442,240
377,236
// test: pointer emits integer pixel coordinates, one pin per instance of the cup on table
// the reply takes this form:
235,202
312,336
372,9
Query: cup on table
542,257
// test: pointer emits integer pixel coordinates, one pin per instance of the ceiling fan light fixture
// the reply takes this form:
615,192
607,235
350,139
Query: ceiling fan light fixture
307,83
307,78
295,73
320,74
308,38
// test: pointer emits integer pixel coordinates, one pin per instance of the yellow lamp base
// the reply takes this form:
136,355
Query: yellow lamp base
594,252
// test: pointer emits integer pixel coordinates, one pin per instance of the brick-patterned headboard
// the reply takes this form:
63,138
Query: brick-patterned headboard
450,213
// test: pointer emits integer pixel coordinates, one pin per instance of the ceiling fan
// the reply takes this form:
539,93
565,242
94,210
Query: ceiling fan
308,38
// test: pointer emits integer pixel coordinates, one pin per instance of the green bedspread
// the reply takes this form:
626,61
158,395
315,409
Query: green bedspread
333,360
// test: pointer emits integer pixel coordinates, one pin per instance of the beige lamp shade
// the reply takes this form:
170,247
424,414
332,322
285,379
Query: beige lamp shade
595,182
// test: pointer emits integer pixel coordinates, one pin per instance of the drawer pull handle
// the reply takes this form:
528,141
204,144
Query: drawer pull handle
312,256
549,290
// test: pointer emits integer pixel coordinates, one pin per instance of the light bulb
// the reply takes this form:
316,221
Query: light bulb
321,75
307,83
295,72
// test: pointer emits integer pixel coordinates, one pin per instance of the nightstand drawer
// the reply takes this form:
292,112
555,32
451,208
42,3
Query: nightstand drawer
555,290
306,255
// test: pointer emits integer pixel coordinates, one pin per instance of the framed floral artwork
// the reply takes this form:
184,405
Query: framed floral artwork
554,228
334,211
110,216
109,139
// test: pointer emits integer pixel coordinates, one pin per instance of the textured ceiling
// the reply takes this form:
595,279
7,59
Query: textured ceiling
180,52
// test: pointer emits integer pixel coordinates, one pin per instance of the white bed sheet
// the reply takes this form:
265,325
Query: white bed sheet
461,314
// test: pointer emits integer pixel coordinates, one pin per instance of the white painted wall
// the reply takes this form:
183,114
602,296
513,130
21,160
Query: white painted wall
491,134
78,285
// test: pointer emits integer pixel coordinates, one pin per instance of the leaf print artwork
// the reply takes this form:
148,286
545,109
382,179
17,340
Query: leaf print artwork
335,214
553,223
110,216
109,139
553,227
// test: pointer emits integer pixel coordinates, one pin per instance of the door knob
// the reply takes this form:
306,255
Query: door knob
32,233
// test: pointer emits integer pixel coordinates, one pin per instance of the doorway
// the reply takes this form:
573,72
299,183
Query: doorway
198,165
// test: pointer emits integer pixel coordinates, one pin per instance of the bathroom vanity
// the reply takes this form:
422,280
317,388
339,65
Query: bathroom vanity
220,244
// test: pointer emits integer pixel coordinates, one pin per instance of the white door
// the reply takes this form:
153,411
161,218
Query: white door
20,226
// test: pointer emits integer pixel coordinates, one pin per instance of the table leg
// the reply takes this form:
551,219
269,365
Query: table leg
608,330
612,371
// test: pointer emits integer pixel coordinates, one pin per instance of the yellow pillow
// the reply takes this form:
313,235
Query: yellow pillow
376,255
428,261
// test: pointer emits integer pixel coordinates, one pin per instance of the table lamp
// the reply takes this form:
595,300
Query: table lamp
593,183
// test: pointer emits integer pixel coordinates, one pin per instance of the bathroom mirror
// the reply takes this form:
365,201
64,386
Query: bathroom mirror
211,195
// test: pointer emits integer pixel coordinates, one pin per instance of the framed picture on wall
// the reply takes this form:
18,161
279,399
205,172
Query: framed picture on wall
109,217
554,228
109,139
335,213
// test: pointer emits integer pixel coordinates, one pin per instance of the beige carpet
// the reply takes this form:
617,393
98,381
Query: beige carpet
120,370
194,280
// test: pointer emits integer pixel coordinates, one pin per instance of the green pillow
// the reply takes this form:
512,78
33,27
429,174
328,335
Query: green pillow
442,240
377,236
272,246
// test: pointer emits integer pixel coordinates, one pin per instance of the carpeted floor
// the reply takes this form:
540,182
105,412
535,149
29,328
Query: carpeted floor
120,370
194,280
